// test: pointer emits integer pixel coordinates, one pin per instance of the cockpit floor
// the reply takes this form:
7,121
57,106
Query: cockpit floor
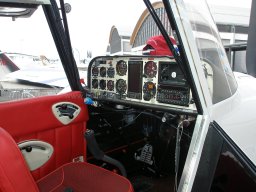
150,184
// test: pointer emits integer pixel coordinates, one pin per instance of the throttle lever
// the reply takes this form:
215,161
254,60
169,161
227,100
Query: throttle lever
99,154
93,145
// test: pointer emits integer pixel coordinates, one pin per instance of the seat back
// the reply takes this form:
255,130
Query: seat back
14,173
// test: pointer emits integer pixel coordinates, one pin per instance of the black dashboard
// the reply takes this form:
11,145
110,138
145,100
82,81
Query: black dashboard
145,81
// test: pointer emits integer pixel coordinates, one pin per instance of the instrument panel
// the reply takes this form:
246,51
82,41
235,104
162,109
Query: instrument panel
139,80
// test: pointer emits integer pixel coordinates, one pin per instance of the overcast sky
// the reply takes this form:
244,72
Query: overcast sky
89,23
96,21
233,3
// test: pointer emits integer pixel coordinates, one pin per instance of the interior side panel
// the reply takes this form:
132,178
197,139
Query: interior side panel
67,141
35,115
33,119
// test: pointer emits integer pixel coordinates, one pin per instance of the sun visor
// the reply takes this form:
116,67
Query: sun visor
19,8
35,2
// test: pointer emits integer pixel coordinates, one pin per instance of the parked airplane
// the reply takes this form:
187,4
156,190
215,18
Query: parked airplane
38,70
143,123
7,66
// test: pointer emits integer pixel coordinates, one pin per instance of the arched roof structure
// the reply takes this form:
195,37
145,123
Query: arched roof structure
146,27
123,40
119,39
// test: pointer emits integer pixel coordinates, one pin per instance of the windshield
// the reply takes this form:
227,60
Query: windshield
215,64
29,59
29,45
30,65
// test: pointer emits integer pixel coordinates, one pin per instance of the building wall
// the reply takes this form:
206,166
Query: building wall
230,31
115,42
119,42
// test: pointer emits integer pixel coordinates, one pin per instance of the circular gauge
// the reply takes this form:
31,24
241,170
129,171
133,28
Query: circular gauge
103,71
102,84
121,68
95,71
149,90
150,69
121,86
110,85
111,72
95,83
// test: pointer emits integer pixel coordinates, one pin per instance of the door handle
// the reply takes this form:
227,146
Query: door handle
36,153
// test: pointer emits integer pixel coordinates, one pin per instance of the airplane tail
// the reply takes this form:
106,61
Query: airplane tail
44,60
6,65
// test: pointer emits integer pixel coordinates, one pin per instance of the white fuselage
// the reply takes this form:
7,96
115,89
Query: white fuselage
236,115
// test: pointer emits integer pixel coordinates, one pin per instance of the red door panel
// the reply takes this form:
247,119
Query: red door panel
33,119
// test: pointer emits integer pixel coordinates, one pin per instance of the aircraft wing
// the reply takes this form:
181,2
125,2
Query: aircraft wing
42,75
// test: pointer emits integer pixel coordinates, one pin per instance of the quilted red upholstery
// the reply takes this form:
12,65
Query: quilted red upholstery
83,177
80,177
68,142
33,119
33,115
14,173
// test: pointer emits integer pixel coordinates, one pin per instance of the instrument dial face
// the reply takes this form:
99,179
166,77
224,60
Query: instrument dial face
121,68
149,90
111,72
102,84
121,86
95,71
150,69
110,85
103,71
95,83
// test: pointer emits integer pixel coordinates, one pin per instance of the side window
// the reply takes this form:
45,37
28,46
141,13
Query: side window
223,167
29,62
231,175
25,76
220,79
209,45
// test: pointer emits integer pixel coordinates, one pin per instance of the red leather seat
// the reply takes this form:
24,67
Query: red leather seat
77,177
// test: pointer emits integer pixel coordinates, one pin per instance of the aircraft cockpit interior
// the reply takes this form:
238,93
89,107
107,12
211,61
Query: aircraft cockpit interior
160,111
143,114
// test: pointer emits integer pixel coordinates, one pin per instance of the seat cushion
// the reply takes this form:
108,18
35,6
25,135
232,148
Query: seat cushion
82,177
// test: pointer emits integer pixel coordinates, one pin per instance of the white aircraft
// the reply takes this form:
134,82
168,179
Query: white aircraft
176,122
37,70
